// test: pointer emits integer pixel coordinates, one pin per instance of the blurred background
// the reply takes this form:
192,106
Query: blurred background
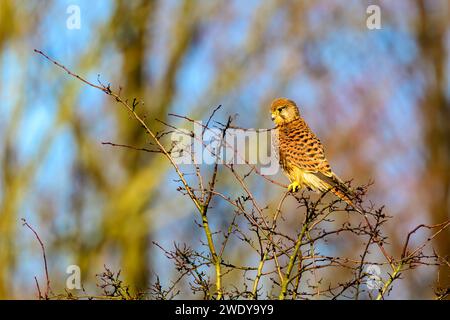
379,99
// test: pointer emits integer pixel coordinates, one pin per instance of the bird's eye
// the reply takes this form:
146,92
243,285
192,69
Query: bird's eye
280,109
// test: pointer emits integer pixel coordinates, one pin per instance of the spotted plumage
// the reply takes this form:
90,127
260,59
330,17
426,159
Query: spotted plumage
301,154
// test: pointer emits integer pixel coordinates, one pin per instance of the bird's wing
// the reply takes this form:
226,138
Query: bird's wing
300,147
335,182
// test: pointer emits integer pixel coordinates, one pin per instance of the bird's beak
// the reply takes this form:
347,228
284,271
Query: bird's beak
273,117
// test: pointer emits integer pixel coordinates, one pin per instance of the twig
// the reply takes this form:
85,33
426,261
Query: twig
47,290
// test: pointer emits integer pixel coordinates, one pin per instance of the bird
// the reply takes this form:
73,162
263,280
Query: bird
301,155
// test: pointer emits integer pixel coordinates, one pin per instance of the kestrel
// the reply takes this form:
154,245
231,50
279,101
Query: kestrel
301,153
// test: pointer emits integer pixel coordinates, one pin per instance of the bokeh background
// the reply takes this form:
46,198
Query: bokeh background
378,99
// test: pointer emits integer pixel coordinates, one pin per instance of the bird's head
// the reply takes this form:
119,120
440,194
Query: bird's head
283,111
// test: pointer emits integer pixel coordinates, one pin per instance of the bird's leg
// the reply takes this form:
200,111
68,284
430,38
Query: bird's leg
294,186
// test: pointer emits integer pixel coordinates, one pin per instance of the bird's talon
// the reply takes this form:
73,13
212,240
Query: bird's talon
294,187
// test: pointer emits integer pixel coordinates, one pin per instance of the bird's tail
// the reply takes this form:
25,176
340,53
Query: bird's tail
339,188
342,196
342,191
